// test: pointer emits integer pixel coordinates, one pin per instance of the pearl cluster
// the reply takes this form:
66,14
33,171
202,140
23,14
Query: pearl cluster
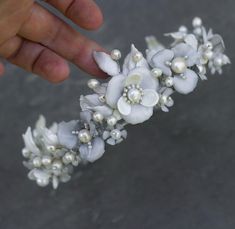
133,94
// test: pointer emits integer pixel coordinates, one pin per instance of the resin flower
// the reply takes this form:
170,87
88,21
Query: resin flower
176,62
115,135
134,96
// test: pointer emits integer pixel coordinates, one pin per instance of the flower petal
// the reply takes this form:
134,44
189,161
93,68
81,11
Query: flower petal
29,142
139,114
150,98
65,136
159,60
123,107
114,90
146,79
192,41
133,79
94,153
129,64
187,85
183,50
106,63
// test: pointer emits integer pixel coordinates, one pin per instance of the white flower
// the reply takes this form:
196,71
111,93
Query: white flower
115,135
134,96
177,62
165,100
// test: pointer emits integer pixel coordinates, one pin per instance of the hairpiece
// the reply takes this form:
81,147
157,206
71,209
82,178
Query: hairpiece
133,92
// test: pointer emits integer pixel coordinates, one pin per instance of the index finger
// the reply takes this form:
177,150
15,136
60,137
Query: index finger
84,13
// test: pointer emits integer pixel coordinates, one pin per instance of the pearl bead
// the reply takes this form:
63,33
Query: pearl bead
111,121
68,157
198,31
116,134
46,160
218,61
156,72
37,162
134,95
93,83
26,153
116,54
84,136
183,29
197,22
208,54
169,82
42,182
98,117
57,165
178,65
137,57
51,148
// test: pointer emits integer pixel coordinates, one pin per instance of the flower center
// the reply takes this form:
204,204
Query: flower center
133,94
178,65
116,134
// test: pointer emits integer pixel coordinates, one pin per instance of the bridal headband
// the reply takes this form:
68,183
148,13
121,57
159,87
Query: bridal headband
133,92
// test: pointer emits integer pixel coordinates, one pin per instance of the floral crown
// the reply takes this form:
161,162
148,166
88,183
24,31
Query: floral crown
133,92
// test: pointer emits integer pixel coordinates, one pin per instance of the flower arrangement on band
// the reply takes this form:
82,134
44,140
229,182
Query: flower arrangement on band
135,90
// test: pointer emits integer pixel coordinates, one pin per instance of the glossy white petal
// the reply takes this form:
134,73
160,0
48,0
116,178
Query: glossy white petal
29,142
192,41
147,80
106,63
114,90
133,78
123,107
150,98
94,153
139,114
187,85
129,64
159,61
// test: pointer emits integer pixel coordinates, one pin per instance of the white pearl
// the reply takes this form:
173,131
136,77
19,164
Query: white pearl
208,54
26,153
134,95
137,57
218,61
116,54
111,121
42,182
178,65
183,29
169,82
57,165
68,157
93,83
46,160
197,22
156,72
84,136
98,117
116,134
37,162
198,31
51,148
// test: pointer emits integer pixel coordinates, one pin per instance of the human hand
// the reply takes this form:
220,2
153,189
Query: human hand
36,40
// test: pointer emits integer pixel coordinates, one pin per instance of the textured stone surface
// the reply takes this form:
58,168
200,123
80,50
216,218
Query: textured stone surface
174,172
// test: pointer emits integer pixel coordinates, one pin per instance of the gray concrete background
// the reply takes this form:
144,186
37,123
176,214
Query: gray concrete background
174,172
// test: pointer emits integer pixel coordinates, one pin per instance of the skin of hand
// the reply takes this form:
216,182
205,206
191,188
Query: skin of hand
38,41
